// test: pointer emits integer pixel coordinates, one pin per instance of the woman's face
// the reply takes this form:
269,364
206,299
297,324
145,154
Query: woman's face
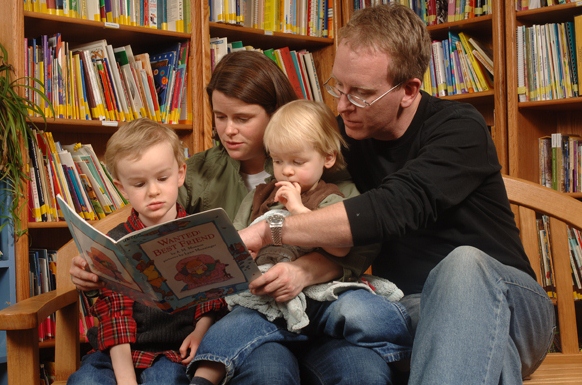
240,127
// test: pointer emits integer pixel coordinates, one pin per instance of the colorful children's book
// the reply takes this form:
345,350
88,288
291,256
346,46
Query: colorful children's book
164,66
172,266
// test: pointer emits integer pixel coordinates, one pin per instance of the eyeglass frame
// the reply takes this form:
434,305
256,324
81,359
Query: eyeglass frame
329,87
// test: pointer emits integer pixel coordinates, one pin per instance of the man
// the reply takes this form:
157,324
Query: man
433,194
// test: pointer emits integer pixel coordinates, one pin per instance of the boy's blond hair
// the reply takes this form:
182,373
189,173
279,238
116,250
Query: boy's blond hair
303,122
135,137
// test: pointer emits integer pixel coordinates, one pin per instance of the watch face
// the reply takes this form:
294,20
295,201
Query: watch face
276,220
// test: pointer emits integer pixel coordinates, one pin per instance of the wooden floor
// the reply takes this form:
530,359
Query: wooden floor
557,370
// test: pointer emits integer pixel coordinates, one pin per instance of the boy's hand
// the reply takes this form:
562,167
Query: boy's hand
82,277
192,341
289,194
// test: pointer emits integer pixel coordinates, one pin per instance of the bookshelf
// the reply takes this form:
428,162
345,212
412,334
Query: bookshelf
19,23
7,274
487,29
16,24
528,121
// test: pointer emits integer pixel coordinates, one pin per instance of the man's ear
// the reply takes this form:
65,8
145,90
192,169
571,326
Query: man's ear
411,90
329,160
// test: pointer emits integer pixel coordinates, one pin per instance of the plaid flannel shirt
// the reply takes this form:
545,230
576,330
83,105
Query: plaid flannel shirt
115,314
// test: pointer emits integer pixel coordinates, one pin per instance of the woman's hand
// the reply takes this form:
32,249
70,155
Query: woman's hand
82,277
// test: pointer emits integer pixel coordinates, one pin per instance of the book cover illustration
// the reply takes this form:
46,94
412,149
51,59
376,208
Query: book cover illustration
172,266
163,66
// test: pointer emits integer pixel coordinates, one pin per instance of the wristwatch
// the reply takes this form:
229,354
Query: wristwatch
276,224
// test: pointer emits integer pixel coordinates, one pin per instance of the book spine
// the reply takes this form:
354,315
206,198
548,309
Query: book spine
290,70
40,212
313,79
438,58
473,63
299,74
578,46
111,112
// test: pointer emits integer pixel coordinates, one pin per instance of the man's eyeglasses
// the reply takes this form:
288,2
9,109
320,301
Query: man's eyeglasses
355,100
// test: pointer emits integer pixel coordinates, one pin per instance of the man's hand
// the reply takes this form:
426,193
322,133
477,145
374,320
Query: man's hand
256,236
82,277
284,281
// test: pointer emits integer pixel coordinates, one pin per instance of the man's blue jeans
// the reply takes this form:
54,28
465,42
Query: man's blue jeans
96,368
481,322
358,316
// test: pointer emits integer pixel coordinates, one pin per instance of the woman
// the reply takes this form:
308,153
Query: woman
246,88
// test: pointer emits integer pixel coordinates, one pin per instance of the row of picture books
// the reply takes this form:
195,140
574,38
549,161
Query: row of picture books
546,261
74,172
437,11
299,66
560,162
301,17
524,5
171,15
95,81
42,278
549,60
459,65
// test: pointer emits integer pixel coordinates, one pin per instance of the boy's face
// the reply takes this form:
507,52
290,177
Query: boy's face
151,183
304,167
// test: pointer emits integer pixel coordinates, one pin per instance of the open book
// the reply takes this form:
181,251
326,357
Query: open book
172,266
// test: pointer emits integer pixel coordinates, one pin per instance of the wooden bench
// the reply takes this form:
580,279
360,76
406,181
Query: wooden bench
527,199
22,319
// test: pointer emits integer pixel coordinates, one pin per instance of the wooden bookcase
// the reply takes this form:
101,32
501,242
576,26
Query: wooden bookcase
15,24
528,121
491,104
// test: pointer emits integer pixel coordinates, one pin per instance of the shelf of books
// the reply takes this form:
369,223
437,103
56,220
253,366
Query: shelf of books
300,42
7,271
298,65
543,89
543,77
114,78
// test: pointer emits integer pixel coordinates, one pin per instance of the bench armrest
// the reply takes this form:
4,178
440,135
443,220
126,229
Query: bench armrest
29,313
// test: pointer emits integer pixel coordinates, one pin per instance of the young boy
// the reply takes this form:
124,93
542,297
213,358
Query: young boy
135,343
304,142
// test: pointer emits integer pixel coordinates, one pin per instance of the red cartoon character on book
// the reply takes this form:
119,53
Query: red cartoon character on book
200,270
104,264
